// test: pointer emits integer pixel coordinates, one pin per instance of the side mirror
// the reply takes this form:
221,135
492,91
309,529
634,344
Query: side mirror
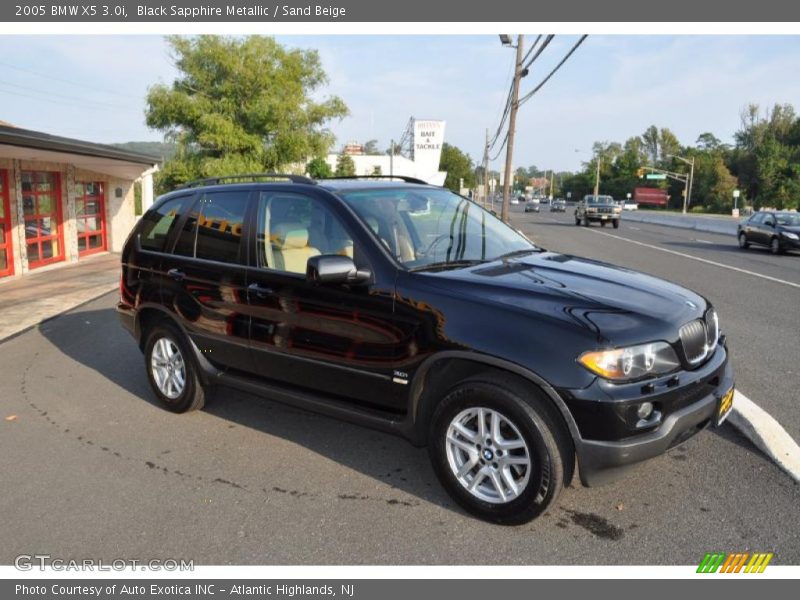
769,223
335,269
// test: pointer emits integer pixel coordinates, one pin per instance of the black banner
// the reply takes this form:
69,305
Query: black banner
149,11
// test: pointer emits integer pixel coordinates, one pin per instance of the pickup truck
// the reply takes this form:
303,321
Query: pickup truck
599,208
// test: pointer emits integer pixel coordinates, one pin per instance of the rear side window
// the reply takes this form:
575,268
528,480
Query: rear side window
158,224
213,229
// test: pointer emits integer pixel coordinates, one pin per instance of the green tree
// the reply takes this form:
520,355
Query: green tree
345,167
458,165
240,105
371,147
318,168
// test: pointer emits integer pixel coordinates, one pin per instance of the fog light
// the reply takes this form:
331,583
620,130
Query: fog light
645,410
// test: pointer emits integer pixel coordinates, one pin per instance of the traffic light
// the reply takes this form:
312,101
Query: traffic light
640,172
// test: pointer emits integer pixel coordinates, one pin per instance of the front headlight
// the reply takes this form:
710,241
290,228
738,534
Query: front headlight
633,362
591,210
790,236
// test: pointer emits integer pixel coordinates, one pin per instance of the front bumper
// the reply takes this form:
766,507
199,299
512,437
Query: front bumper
601,461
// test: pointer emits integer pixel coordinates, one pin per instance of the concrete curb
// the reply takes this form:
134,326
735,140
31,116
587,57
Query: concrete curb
722,225
758,426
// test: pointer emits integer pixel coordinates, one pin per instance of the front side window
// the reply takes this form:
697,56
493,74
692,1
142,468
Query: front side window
757,219
424,227
291,228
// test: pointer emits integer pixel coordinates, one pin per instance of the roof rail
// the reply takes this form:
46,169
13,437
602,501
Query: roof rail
247,176
400,177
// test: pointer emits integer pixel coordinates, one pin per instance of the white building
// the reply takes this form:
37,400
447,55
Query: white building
426,153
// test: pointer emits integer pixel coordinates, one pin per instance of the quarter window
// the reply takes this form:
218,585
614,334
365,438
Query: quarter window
158,224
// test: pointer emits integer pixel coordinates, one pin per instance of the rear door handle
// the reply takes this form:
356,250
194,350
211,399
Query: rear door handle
260,290
176,274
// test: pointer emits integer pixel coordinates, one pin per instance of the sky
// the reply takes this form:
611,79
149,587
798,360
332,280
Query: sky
93,87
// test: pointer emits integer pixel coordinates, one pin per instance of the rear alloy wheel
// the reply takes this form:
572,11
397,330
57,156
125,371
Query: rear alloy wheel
499,451
171,371
743,243
775,246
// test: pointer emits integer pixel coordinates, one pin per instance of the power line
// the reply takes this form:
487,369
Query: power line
57,102
544,45
553,72
82,101
532,48
62,80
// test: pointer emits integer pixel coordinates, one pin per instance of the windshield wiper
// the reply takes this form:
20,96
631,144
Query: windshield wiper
448,264
521,252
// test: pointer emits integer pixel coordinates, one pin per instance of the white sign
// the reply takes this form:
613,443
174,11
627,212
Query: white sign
736,193
428,140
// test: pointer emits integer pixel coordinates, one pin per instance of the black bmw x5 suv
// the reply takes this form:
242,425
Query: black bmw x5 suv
404,307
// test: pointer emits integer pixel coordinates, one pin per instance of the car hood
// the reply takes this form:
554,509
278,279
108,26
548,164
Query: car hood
792,228
618,304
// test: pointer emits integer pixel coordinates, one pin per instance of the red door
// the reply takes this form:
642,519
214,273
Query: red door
6,249
90,211
41,207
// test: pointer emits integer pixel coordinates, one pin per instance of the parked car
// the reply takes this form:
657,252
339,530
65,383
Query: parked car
558,206
630,205
401,306
777,230
600,209
532,206
514,200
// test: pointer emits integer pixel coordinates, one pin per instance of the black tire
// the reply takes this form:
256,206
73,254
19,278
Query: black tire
743,243
602,223
548,443
615,223
577,220
775,246
585,221
192,396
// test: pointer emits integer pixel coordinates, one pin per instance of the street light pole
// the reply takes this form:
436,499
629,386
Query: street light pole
512,122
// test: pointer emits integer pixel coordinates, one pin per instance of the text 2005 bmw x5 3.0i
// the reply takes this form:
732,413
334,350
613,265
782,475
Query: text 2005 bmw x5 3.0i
404,307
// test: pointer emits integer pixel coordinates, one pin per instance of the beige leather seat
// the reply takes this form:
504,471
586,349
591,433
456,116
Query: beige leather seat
290,248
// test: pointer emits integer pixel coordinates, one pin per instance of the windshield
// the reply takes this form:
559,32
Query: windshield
599,199
434,227
788,219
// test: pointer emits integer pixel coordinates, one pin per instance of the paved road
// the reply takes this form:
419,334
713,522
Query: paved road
91,467
760,316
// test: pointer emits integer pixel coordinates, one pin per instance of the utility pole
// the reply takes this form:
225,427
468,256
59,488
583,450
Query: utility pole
391,159
486,171
552,176
597,178
512,123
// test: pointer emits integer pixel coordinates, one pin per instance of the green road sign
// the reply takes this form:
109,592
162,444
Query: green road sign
656,176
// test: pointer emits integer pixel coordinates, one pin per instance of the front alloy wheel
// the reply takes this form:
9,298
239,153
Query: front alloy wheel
488,455
775,246
499,448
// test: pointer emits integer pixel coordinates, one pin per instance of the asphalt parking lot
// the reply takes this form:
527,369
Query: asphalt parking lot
91,467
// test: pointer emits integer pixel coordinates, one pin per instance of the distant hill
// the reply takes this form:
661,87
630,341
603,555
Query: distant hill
163,149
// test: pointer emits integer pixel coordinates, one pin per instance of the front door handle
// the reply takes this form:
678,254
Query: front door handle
176,274
260,290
